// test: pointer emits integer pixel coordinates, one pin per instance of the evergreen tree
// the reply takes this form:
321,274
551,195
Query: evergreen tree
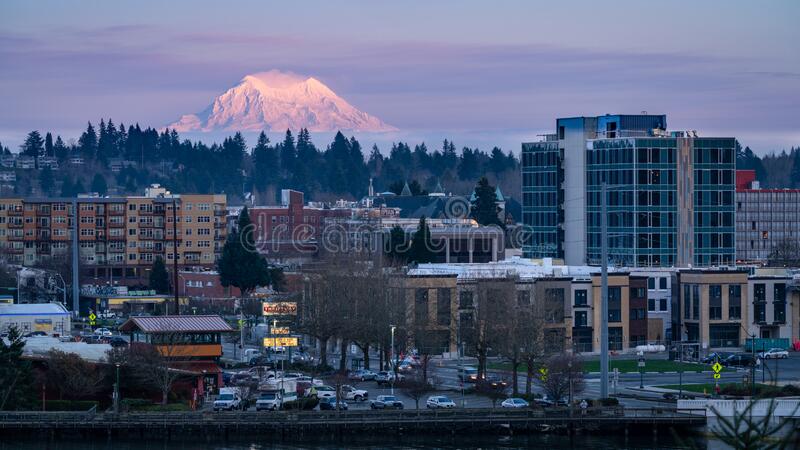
159,278
397,247
60,149
99,184
78,188
421,250
48,145
337,158
67,188
484,206
16,375
288,154
375,163
265,164
87,144
241,265
46,181
33,145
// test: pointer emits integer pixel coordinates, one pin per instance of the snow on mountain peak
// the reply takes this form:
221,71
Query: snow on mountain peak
277,101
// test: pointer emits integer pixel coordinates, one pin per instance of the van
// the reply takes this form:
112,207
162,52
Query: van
468,374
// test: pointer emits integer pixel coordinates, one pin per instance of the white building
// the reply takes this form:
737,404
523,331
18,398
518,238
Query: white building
52,318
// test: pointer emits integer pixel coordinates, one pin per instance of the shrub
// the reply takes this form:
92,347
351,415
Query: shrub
304,404
610,401
70,405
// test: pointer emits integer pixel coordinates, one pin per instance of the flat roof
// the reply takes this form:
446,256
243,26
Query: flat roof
33,309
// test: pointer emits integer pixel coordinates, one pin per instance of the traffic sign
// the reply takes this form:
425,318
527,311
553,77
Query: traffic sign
543,373
717,376
92,318
716,367
641,363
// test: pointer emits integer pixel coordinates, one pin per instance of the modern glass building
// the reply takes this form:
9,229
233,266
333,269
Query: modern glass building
670,195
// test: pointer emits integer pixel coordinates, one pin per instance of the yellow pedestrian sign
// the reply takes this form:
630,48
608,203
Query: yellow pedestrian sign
543,373
717,367
716,376
92,318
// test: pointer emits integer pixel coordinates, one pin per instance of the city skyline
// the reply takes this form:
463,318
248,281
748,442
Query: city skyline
491,75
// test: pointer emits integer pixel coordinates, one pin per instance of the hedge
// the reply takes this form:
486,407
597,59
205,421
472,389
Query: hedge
305,404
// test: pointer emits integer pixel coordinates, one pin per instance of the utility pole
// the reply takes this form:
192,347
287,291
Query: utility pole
603,292
391,361
76,294
175,253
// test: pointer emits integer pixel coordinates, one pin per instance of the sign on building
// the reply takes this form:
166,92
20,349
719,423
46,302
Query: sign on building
286,341
280,330
279,309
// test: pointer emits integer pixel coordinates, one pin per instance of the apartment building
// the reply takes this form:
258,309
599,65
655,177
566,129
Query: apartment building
119,238
670,200
770,304
765,219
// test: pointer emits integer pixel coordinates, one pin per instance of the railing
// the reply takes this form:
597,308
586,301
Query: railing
490,415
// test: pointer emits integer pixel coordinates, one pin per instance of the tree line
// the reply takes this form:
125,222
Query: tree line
342,168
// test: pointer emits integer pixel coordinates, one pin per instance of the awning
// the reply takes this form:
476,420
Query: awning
196,367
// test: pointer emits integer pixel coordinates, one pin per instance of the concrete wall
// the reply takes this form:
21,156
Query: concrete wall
576,131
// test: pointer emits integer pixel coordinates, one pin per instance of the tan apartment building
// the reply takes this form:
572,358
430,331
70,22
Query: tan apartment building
119,238
627,311
432,306
711,308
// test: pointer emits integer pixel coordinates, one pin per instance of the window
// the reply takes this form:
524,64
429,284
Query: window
695,302
651,283
581,319
734,301
760,315
523,298
615,305
662,283
443,306
651,304
779,303
580,297
759,292
724,335
554,305
715,302
421,306
662,304
465,300
615,338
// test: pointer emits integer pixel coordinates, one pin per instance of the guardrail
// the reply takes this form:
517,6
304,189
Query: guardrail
489,415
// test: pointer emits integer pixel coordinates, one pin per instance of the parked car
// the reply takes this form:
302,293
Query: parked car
331,403
439,401
351,393
715,356
302,357
260,360
386,402
103,332
107,315
468,374
774,353
514,403
741,360
117,341
35,334
385,377
362,375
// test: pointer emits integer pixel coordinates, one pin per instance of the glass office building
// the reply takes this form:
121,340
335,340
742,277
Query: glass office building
670,198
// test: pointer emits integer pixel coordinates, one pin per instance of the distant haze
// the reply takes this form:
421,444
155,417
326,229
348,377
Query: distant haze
481,73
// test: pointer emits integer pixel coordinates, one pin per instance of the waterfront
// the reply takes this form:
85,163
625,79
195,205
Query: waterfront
545,441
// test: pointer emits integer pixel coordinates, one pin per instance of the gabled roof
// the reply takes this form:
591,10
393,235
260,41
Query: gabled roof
177,324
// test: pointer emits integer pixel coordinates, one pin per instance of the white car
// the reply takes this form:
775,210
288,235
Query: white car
774,353
514,403
351,393
439,401
322,391
103,332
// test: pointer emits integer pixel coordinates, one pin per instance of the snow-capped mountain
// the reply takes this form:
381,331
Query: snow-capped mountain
278,101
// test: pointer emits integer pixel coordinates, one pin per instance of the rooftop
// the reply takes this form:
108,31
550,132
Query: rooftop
177,324
33,309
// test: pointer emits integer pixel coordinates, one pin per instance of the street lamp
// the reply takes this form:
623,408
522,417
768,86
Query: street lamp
116,392
391,360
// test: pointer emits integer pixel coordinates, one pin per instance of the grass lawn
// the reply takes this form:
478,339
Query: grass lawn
627,366
709,387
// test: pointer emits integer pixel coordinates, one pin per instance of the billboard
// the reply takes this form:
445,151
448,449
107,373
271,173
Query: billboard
280,330
279,309
286,341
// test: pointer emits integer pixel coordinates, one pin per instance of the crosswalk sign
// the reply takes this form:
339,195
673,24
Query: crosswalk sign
543,373
716,367
92,318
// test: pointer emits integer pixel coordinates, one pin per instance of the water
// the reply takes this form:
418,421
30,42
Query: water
540,441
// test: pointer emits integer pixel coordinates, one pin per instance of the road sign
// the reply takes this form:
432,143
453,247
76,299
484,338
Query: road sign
543,373
241,323
279,309
716,367
286,341
280,330
92,318
641,363
717,376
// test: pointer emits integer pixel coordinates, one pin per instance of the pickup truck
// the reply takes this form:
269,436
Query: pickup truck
229,399
351,393
269,401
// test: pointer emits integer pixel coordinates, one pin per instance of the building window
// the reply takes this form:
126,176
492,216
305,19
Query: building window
465,300
734,301
687,302
421,306
581,319
580,298
662,283
715,302
724,335
651,283
523,298
695,302
760,314
651,304
779,303
443,306
615,305
615,338
662,304
554,305
759,292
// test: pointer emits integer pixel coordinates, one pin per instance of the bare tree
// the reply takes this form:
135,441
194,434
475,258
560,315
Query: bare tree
72,376
785,253
319,312
564,375
529,337
152,364
416,387
488,330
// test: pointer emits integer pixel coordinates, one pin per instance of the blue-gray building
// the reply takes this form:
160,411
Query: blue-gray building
670,200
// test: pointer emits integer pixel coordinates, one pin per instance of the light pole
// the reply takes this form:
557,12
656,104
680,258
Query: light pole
391,360
569,371
116,392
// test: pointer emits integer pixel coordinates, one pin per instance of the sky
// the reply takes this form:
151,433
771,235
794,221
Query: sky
480,73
